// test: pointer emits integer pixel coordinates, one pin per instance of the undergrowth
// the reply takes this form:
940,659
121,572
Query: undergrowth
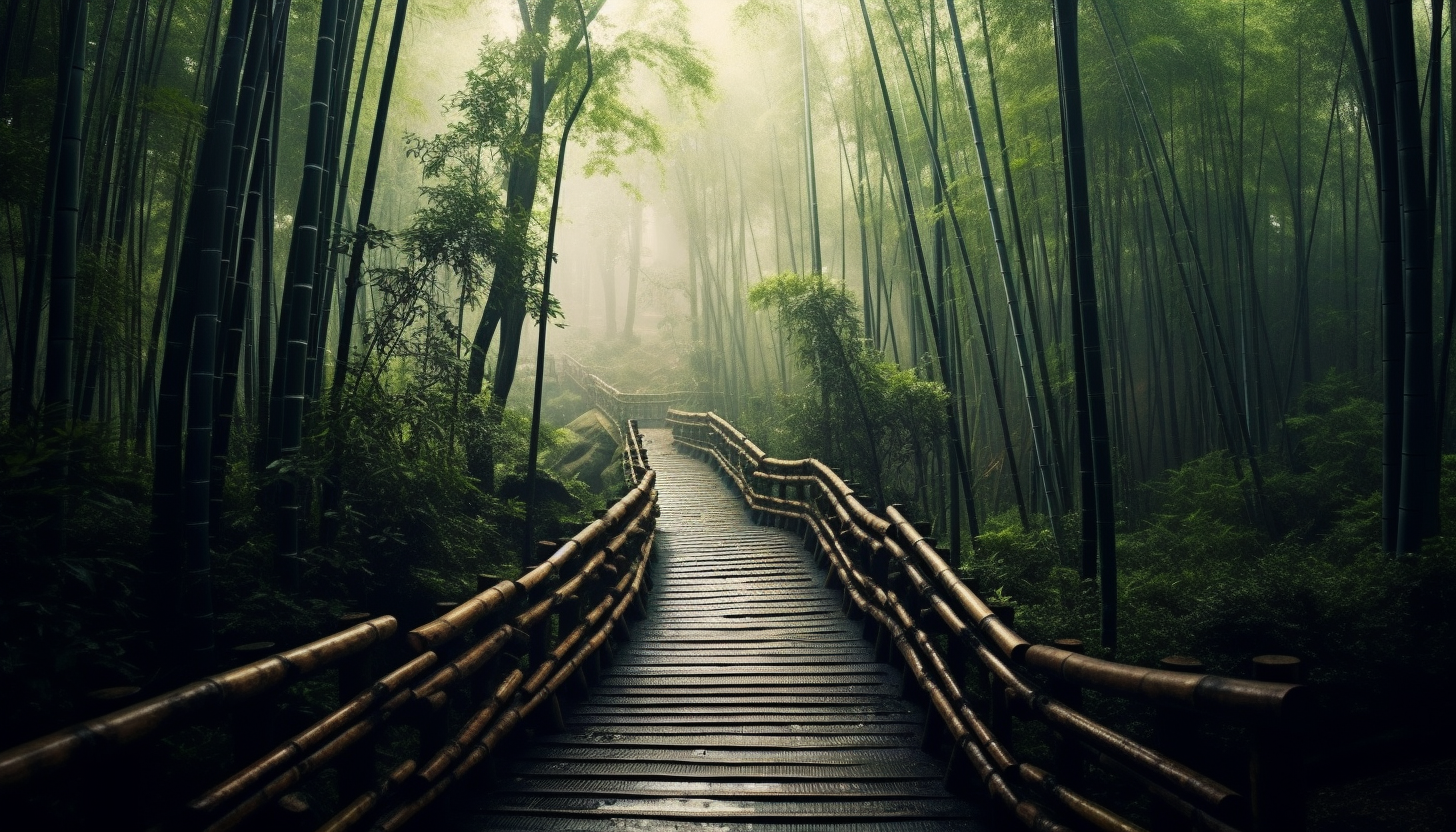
413,529
1198,577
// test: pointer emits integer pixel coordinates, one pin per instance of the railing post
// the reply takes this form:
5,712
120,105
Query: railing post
571,612
541,632
849,545
483,683
836,532
1066,751
356,672
1276,769
431,714
1175,734
254,722
958,655
885,651
1000,709
791,493
937,734
876,568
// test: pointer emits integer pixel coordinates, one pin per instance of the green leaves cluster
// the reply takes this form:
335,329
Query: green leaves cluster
73,515
617,121
1197,578
868,415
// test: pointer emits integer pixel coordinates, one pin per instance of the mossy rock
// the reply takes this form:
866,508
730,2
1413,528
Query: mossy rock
590,453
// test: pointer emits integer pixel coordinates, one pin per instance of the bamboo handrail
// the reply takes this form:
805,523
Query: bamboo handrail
619,406
598,575
23,763
457,620
858,545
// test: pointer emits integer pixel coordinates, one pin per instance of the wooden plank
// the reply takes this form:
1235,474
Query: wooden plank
725,677
740,630
699,668
547,823
713,738
636,769
690,714
727,790
775,651
687,808
746,701
746,636
758,729
899,755
697,692
712,710
672,699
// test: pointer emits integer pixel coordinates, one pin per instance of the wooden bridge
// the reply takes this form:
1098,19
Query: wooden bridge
746,695
647,409
739,643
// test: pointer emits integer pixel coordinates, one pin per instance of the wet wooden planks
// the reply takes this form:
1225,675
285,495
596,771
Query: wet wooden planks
746,701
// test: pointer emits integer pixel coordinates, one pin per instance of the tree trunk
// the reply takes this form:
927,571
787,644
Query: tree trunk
634,267
1419,459
56,397
209,206
1080,224
294,345
913,231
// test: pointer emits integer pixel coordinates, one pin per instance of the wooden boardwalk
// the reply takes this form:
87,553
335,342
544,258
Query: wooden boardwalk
745,701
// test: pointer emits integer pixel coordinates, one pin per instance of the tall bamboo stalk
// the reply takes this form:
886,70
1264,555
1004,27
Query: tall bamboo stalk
61,332
1080,224
366,204
294,345
1418,453
913,233
543,315
816,255
1040,446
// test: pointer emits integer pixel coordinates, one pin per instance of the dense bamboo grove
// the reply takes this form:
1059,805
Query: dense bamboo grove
232,275
1065,278
1121,238
1233,224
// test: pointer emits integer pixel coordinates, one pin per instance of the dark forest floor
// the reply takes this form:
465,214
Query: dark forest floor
1416,798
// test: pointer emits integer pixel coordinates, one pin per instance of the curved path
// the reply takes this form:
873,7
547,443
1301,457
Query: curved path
745,701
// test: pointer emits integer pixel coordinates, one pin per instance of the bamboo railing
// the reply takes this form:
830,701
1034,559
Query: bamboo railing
462,682
647,409
910,596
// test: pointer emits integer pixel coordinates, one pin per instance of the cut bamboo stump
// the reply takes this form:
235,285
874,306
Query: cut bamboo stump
1276,769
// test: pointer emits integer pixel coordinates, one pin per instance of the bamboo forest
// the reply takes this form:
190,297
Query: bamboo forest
727,415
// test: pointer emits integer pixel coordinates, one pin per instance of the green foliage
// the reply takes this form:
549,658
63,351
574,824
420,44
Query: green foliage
430,546
25,139
74,516
462,224
870,416
1335,436
655,44
171,107
413,527
766,12
1198,578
